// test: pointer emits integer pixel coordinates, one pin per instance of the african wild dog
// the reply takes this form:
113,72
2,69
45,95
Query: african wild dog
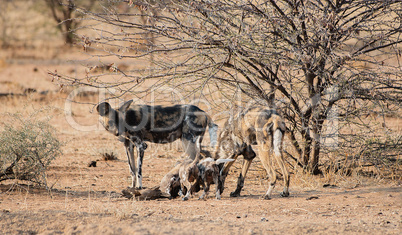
208,173
255,126
170,183
190,174
135,124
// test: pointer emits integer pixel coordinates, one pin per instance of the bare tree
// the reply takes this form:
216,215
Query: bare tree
65,14
316,61
4,22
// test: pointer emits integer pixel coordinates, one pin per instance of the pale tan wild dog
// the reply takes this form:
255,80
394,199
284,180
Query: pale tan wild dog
255,126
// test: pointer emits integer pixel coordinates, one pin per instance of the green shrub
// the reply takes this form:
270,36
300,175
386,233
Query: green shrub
27,147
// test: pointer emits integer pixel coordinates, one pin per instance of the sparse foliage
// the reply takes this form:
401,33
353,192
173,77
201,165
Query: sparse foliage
27,147
323,64
383,154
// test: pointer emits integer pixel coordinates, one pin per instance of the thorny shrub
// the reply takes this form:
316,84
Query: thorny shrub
27,147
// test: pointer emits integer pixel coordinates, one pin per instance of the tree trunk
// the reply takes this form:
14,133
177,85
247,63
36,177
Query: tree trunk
69,35
69,38
316,132
310,155
306,143
313,163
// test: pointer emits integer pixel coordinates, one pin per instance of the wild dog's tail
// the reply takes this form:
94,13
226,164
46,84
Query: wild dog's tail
209,159
219,161
213,131
275,127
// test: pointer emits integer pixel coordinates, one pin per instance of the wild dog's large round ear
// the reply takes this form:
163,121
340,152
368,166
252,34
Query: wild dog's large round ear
125,106
103,108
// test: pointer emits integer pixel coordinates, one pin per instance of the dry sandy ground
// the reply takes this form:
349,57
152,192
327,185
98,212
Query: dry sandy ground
85,208
89,206
86,200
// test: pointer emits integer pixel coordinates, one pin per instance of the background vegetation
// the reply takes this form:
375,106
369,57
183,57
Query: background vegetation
27,147
332,68
323,64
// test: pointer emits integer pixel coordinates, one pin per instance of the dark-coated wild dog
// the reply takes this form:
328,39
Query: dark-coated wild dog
255,126
135,124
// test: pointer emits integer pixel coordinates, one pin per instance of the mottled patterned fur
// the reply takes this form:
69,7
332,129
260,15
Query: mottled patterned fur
136,124
255,126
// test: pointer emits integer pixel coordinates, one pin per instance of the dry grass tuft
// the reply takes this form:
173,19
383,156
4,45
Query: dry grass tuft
108,155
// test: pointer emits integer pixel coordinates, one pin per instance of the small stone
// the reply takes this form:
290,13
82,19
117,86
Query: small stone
92,164
263,219
312,197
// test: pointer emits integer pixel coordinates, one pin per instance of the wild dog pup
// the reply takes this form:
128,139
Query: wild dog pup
258,126
209,173
188,174
170,183
194,173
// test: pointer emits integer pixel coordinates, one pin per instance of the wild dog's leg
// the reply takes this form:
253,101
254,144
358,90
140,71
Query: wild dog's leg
196,185
205,189
242,176
266,161
248,154
186,184
219,186
140,147
217,183
140,154
225,169
286,177
183,191
224,172
278,140
191,144
128,144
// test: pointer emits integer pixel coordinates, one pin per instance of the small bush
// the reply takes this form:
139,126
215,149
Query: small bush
384,154
108,155
27,147
378,157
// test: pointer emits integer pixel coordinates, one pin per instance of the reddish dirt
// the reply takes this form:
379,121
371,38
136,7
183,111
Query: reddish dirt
87,200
